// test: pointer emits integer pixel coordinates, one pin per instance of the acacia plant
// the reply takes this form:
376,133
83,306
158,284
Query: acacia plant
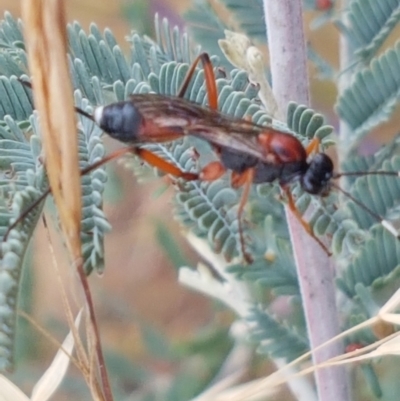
364,265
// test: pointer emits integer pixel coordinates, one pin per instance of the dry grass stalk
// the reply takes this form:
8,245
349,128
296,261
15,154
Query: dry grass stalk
46,42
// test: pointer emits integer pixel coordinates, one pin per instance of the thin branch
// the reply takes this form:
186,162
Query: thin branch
92,315
346,56
287,48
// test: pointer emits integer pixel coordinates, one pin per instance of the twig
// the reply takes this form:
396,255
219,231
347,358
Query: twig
287,48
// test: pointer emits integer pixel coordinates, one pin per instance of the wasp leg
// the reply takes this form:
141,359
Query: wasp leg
163,165
238,179
306,226
212,92
313,146
215,170
150,158
212,171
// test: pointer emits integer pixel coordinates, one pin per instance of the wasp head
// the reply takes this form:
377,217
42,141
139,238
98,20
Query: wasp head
318,175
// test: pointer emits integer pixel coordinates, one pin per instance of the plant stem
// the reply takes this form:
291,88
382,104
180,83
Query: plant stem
288,57
97,342
346,52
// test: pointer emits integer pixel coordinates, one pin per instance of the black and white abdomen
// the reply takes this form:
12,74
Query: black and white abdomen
120,120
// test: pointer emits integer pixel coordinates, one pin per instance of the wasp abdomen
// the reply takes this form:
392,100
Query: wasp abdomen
120,120
237,161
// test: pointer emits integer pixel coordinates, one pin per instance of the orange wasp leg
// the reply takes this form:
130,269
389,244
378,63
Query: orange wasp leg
149,157
212,171
167,167
306,226
209,78
215,170
313,146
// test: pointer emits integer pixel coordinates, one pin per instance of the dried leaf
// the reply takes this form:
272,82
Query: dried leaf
54,375
242,54
10,392
45,38
392,303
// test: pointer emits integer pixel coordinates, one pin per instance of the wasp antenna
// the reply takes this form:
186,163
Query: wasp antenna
77,109
84,113
385,223
362,173
25,83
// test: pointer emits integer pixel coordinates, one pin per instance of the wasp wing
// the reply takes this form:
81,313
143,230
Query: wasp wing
167,118
239,135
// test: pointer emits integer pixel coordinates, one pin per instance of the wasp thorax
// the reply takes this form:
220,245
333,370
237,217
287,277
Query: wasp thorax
316,179
120,120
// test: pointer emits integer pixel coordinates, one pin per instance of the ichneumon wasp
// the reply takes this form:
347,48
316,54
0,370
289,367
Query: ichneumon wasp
253,153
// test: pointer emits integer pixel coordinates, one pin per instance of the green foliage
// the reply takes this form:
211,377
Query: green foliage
371,266
249,15
291,344
206,27
372,96
138,14
369,24
13,58
324,70
277,274
22,181
94,224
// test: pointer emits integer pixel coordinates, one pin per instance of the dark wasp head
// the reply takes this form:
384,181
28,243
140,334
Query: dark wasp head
316,179
120,120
